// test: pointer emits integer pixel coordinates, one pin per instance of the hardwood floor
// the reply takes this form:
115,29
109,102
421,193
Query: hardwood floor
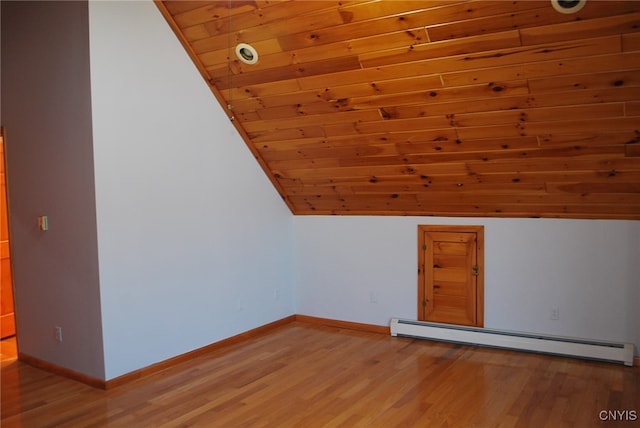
304,375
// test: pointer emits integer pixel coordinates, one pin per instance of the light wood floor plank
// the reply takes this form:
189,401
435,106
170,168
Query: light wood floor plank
307,375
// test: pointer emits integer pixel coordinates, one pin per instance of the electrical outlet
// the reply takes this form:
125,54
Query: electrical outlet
58,331
373,297
555,313
276,294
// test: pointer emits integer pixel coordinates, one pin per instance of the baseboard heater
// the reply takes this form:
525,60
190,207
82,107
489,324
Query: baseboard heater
556,345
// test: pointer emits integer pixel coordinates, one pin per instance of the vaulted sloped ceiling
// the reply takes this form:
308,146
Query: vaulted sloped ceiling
447,108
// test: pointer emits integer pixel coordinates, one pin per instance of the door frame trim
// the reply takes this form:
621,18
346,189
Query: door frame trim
479,231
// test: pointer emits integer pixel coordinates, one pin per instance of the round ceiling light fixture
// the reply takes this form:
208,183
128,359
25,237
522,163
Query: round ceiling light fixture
568,6
247,53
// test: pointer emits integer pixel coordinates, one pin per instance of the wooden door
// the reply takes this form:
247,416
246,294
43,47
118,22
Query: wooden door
7,316
451,286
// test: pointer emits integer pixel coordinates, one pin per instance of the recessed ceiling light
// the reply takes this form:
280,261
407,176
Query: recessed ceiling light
568,6
247,53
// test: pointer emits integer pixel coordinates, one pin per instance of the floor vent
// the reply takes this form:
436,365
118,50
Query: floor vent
556,345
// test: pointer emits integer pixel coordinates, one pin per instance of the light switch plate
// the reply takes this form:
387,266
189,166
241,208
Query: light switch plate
43,222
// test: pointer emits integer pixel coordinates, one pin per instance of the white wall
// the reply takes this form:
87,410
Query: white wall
587,268
193,239
46,109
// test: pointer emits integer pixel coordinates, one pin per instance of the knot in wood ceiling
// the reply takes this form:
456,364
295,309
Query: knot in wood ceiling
443,108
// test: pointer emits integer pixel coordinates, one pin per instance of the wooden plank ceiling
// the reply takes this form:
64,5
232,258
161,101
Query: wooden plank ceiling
447,108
